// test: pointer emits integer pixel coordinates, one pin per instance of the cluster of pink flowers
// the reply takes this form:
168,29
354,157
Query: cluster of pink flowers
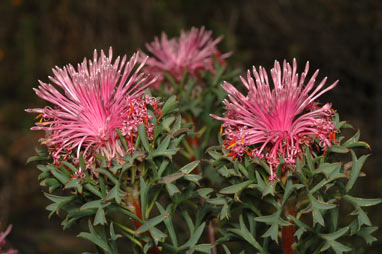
276,123
98,98
3,242
193,52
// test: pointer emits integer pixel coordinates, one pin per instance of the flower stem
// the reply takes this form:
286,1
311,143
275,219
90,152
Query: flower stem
288,231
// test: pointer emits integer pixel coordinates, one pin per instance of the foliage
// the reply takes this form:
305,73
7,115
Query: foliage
315,198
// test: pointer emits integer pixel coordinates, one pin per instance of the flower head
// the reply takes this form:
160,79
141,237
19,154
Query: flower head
3,242
193,52
274,123
93,102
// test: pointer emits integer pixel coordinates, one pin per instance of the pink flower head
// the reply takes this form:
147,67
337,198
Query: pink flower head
274,123
93,102
193,52
3,242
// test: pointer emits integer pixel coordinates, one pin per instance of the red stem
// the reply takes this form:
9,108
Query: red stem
137,224
288,232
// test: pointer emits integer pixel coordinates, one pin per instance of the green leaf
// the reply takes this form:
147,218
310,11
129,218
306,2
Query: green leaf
327,168
244,233
317,217
288,191
366,232
363,219
122,139
163,167
108,174
58,202
113,235
95,238
116,194
189,167
169,105
59,175
335,235
203,192
143,195
148,225
168,223
338,149
100,217
36,158
143,137
320,204
91,205
363,201
234,189
172,189
204,248
194,237
226,250
171,178
167,122
82,163
356,169
157,235
74,183
189,222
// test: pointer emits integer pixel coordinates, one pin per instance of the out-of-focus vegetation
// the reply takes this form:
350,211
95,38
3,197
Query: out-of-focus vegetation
341,38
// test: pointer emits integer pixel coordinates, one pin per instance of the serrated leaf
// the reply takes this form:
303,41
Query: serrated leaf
167,122
95,238
194,237
100,217
151,223
335,235
356,169
317,217
320,204
113,235
203,192
91,205
116,194
157,235
327,168
352,140
288,191
244,233
168,223
366,232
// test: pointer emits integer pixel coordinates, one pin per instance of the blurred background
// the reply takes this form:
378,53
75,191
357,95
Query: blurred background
341,38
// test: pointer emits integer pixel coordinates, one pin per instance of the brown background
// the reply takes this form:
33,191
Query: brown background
341,38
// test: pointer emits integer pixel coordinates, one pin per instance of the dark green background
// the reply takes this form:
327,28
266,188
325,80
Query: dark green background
341,38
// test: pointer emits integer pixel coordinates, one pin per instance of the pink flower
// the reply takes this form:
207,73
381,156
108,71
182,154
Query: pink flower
274,123
93,102
193,52
3,242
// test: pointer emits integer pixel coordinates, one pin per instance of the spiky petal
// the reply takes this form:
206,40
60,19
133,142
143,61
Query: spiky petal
193,52
276,122
93,102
